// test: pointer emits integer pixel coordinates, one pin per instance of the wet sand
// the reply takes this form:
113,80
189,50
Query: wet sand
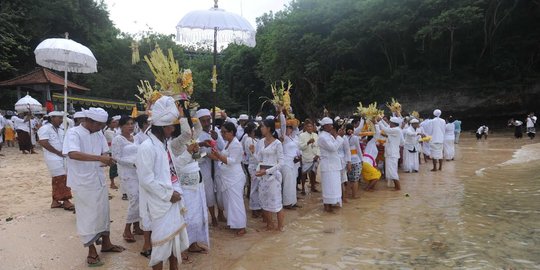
477,213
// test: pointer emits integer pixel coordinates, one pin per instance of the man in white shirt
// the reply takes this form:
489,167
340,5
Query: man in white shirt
23,127
436,129
51,138
330,165
242,121
394,139
531,122
310,155
160,187
87,152
210,168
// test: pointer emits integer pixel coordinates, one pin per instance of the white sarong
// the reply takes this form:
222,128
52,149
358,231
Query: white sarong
449,149
131,188
254,200
436,150
331,187
234,206
197,213
410,161
289,185
270,192
169,235
391,168
92,214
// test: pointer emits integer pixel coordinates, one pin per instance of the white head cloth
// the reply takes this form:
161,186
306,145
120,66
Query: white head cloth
56,113
243,117
396,120
116,117
437,113
258,118
326,121
270,117
414,121
97,114
79,115
202,113
164,112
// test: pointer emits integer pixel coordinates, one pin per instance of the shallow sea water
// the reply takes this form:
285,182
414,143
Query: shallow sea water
481,212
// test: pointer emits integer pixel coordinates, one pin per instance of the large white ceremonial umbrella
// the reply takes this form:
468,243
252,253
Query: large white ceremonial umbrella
218,25
215,25
28,104
64,54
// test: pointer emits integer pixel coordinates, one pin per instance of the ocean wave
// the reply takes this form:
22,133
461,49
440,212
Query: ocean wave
525,154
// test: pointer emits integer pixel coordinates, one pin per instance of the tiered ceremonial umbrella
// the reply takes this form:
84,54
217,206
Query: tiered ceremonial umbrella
28,104
215,25
64,54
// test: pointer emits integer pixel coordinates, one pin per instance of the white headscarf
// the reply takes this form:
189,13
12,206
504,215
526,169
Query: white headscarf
326,121
437,113
396,120
202,113
97,114
164,112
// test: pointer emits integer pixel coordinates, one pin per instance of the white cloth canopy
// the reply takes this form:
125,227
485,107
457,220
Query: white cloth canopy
65,55
23,104
198,26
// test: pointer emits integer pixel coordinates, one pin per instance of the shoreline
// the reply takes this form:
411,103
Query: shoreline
52,234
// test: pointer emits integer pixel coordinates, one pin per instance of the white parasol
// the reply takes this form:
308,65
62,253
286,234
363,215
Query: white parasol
66,55
28,104
215,25
218,25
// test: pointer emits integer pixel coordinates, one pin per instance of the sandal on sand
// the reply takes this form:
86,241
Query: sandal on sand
94,261
186,260
129,239
113,248
59,205
198,249
124,197
69,207
146,253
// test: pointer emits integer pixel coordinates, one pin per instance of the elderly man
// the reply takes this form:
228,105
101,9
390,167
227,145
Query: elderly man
51,138
310,155
160,187
242,121
87,152
210,168
392,131
330,165
436,129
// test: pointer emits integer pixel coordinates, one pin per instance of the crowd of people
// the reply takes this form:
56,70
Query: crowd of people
180,173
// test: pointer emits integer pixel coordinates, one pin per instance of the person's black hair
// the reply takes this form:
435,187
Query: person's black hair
250,127
219,122
258,133
158,131
177,131
123,120
109,121
229,127
141,120
336,125
349,126
270,123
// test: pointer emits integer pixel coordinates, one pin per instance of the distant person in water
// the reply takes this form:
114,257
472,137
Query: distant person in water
518,132
531,122
457,128
483,130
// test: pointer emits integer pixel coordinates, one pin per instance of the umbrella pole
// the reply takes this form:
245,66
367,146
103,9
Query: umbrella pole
214,86
65,100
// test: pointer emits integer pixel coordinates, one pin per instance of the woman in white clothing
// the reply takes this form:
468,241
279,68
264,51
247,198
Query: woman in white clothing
186,153
124,151
356,159
291,160
232,178
449,137
269,154
249,141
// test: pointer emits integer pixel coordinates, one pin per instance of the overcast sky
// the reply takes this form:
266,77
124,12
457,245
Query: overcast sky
162,16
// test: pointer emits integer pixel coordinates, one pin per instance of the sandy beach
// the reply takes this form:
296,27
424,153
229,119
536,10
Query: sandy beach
381,230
